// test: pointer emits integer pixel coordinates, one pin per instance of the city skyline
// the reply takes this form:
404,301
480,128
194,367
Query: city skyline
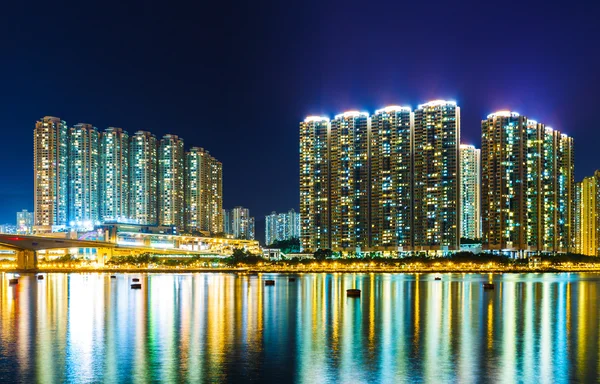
125,80
85,177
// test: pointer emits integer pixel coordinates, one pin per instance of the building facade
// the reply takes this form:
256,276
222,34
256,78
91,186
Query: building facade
282,226
526,185
315,203
143,178
114,175
391,178
83,176
50,167
470,192
171,170
349,181
436,175
203,192
587,216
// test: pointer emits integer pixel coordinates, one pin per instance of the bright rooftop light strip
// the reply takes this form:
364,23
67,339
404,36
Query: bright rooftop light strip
503,114
437,103
352,114
315,118
393,108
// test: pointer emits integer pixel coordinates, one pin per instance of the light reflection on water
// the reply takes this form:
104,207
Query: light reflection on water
222,327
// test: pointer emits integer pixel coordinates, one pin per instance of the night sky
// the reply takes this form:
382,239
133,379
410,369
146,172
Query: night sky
237,78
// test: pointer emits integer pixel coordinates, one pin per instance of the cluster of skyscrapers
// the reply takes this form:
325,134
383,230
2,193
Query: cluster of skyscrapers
84,177
282,226
399,180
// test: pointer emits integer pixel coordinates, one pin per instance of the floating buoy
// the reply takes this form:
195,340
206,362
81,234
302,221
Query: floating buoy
353,292
438,278
135,279
292,279
488,286
40,277
269,282
13,281
136,286
113,277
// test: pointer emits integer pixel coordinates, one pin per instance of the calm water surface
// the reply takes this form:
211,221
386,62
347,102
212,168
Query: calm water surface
225,328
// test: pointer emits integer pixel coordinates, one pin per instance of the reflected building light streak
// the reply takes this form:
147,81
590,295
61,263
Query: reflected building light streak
509,350
546,347
529,343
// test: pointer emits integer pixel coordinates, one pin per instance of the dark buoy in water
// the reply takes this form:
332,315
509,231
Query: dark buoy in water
13,281
292,279
40,277
269,282
438,278
135,279
488,286
136,286
353,292
113,277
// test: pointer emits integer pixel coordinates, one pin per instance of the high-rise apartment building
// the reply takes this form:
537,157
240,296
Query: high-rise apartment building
114,175
227,221
50,167
143,178
470,192
282,226
349,181
526,185
171,170
242,225
436,175
315,204
84,151
587,216
203,192
24,222
391,177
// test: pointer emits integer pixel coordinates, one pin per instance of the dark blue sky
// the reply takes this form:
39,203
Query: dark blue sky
236,78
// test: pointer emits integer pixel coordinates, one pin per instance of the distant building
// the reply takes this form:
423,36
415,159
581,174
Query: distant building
50,169
282,226
227,222
83,175
470,192
237,222
8,228
25,222
587,216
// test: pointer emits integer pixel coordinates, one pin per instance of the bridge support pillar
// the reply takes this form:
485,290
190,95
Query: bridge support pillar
27,259
103,255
